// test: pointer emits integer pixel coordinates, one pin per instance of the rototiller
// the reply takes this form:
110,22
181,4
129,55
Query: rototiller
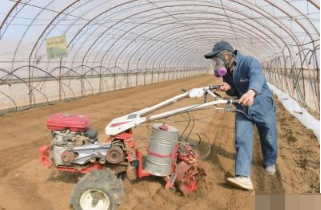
75,148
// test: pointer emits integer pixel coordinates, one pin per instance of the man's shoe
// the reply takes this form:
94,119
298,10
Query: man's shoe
241,182
271,169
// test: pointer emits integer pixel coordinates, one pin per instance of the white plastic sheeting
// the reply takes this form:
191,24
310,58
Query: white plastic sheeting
297,111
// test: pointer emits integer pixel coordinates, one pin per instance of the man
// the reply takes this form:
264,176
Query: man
244,78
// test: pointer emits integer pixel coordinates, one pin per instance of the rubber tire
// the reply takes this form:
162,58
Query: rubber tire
103,180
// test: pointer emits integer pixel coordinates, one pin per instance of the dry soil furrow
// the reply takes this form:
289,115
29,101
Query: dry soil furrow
26,184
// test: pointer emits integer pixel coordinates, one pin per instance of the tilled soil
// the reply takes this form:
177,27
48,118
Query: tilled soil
26,184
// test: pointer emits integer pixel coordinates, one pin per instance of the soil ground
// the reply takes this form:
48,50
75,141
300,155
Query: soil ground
26,184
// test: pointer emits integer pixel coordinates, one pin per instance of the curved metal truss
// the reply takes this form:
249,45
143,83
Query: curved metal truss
123,43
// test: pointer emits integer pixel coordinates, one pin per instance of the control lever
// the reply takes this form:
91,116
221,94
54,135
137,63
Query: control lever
209,91
214,87
229,104
205,97
229,107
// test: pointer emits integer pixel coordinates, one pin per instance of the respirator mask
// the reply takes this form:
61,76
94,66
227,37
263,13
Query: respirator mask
220,65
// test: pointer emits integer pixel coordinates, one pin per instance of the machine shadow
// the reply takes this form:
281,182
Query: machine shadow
64,176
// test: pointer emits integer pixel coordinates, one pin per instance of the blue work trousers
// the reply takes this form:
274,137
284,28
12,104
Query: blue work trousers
263,114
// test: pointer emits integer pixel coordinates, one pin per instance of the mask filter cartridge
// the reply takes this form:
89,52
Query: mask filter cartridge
220,72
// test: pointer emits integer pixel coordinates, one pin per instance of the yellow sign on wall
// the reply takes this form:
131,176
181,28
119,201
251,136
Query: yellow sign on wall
56,47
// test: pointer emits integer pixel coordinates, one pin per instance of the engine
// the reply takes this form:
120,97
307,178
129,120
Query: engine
74,143
71,138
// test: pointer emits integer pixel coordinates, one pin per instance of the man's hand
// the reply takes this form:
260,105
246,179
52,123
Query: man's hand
225,87
247,98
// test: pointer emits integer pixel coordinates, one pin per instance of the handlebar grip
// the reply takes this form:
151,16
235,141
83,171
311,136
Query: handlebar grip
212,87
234,101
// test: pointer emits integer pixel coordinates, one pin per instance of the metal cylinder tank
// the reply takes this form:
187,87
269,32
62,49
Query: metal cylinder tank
159,158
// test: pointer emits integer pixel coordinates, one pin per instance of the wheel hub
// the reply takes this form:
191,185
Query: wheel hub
94,200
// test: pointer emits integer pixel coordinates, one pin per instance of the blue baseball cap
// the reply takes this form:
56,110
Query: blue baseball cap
219,47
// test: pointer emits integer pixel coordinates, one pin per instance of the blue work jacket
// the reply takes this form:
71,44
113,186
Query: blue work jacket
247,75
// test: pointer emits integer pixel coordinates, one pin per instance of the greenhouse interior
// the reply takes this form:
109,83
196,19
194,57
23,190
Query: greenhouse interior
160,104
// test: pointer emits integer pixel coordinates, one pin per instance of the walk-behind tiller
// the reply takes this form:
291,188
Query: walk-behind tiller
75,148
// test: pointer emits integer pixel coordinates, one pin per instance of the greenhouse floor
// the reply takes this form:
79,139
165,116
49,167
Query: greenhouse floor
26,184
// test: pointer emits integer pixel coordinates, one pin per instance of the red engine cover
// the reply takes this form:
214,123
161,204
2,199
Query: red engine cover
74,122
